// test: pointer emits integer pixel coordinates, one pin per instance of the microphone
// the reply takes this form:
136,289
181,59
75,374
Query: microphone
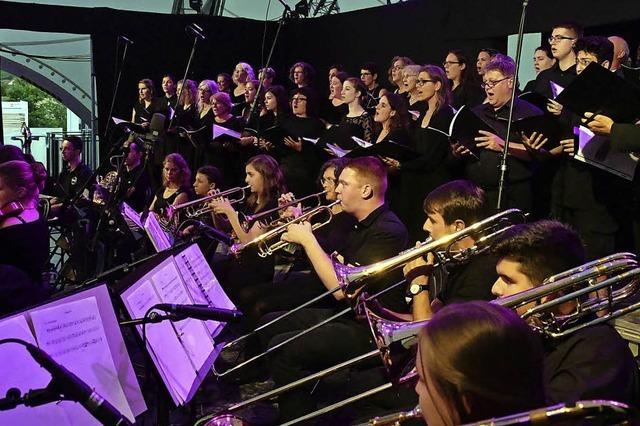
213,233
195,30
126,40
73,388
201,312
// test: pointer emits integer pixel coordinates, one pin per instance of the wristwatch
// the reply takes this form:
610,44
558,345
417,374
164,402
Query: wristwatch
415,289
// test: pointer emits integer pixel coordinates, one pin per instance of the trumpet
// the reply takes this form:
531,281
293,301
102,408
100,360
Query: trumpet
270,242
395,418
247,221
200,207
485,233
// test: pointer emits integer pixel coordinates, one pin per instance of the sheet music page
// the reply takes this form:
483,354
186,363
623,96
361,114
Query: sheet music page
361,142
202,283
312,140
73,335
193,333
335,150
595,150
163,344
131,214
159,237
19,370
219,131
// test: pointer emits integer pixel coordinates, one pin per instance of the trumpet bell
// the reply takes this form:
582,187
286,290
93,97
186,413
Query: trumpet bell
227,420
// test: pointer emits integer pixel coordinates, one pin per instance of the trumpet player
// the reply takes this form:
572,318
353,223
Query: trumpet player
450,208
176,180
591,363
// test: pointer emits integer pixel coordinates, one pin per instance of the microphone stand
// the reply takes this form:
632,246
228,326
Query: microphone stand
505,152
115,89
152,318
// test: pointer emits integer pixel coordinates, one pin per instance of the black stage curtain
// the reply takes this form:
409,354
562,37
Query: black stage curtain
421,29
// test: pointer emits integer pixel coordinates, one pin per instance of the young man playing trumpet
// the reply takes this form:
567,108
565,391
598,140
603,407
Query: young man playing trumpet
592,363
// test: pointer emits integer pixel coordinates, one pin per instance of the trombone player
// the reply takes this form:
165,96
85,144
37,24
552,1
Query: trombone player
378,235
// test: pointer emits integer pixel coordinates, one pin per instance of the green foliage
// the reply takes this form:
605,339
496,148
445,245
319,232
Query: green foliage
44,109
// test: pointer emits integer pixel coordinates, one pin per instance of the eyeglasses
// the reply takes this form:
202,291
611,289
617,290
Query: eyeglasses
298,99
492,84
421,82
324,180
365,73
557,38
445,63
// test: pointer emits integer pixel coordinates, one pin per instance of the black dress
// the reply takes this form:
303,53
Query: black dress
184,119
360,127
162,203
224,152
467,94
202,138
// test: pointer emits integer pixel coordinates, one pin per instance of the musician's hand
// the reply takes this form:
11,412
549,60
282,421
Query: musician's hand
419,262
567,146
265,144
535,142
600,124
394,165
489,141
298,233
459,150
293,143
248,140
554,107
222,206
290,212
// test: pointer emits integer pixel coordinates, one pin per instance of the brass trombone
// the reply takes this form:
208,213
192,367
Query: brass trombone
270,242
197,208
247,221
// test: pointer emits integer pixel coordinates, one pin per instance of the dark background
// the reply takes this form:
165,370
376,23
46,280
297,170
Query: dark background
421,29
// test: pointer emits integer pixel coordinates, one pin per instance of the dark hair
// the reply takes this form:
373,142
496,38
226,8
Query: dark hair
546,49
465,75
171,77
542,248
444,94
181,164
76,141
372,67
370,170
339,67
307,69
281,98
358,86
457,200
272,176
228,81
495,360
598,46
503,64
10,152
405,59
312,99
578,31
213,174
398,104
342,76
148,83
20,174
491,52
267,73
338,165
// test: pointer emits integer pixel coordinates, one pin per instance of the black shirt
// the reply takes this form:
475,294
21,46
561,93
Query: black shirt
144,114
593,363
138,179
467,94
71,181
555,74
471,280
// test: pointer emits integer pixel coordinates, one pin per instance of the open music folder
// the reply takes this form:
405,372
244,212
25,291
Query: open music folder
81,332
182,351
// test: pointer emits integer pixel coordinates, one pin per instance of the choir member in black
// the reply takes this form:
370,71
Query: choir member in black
204,119
169,89
417,107
428,170
267,76
146,104
24,236
499,84
484,57
357,121
74,175
208,179
336,107
465,88
185,117
250,93
299,159
392,120
224,82
395,73
378,235
591,363
276,110
334,69
266,182
493,367
241,74
542,60
176,185
136,187
301,74
224,151
369,76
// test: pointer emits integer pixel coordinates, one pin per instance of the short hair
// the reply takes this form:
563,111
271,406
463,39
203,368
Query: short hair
226,77
10,152
543,248
372,67
213,88
444,94
75,141
598,46
576,28
281,98
491,52
267,73
370,170
342,76
339,67
398,104
148,83
405,59
248,69
457,200
307,70
358,85
412,68
495,360
171,76
223,98
213,174
546,49
503,64
338,165
312,99
181,163
18,174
